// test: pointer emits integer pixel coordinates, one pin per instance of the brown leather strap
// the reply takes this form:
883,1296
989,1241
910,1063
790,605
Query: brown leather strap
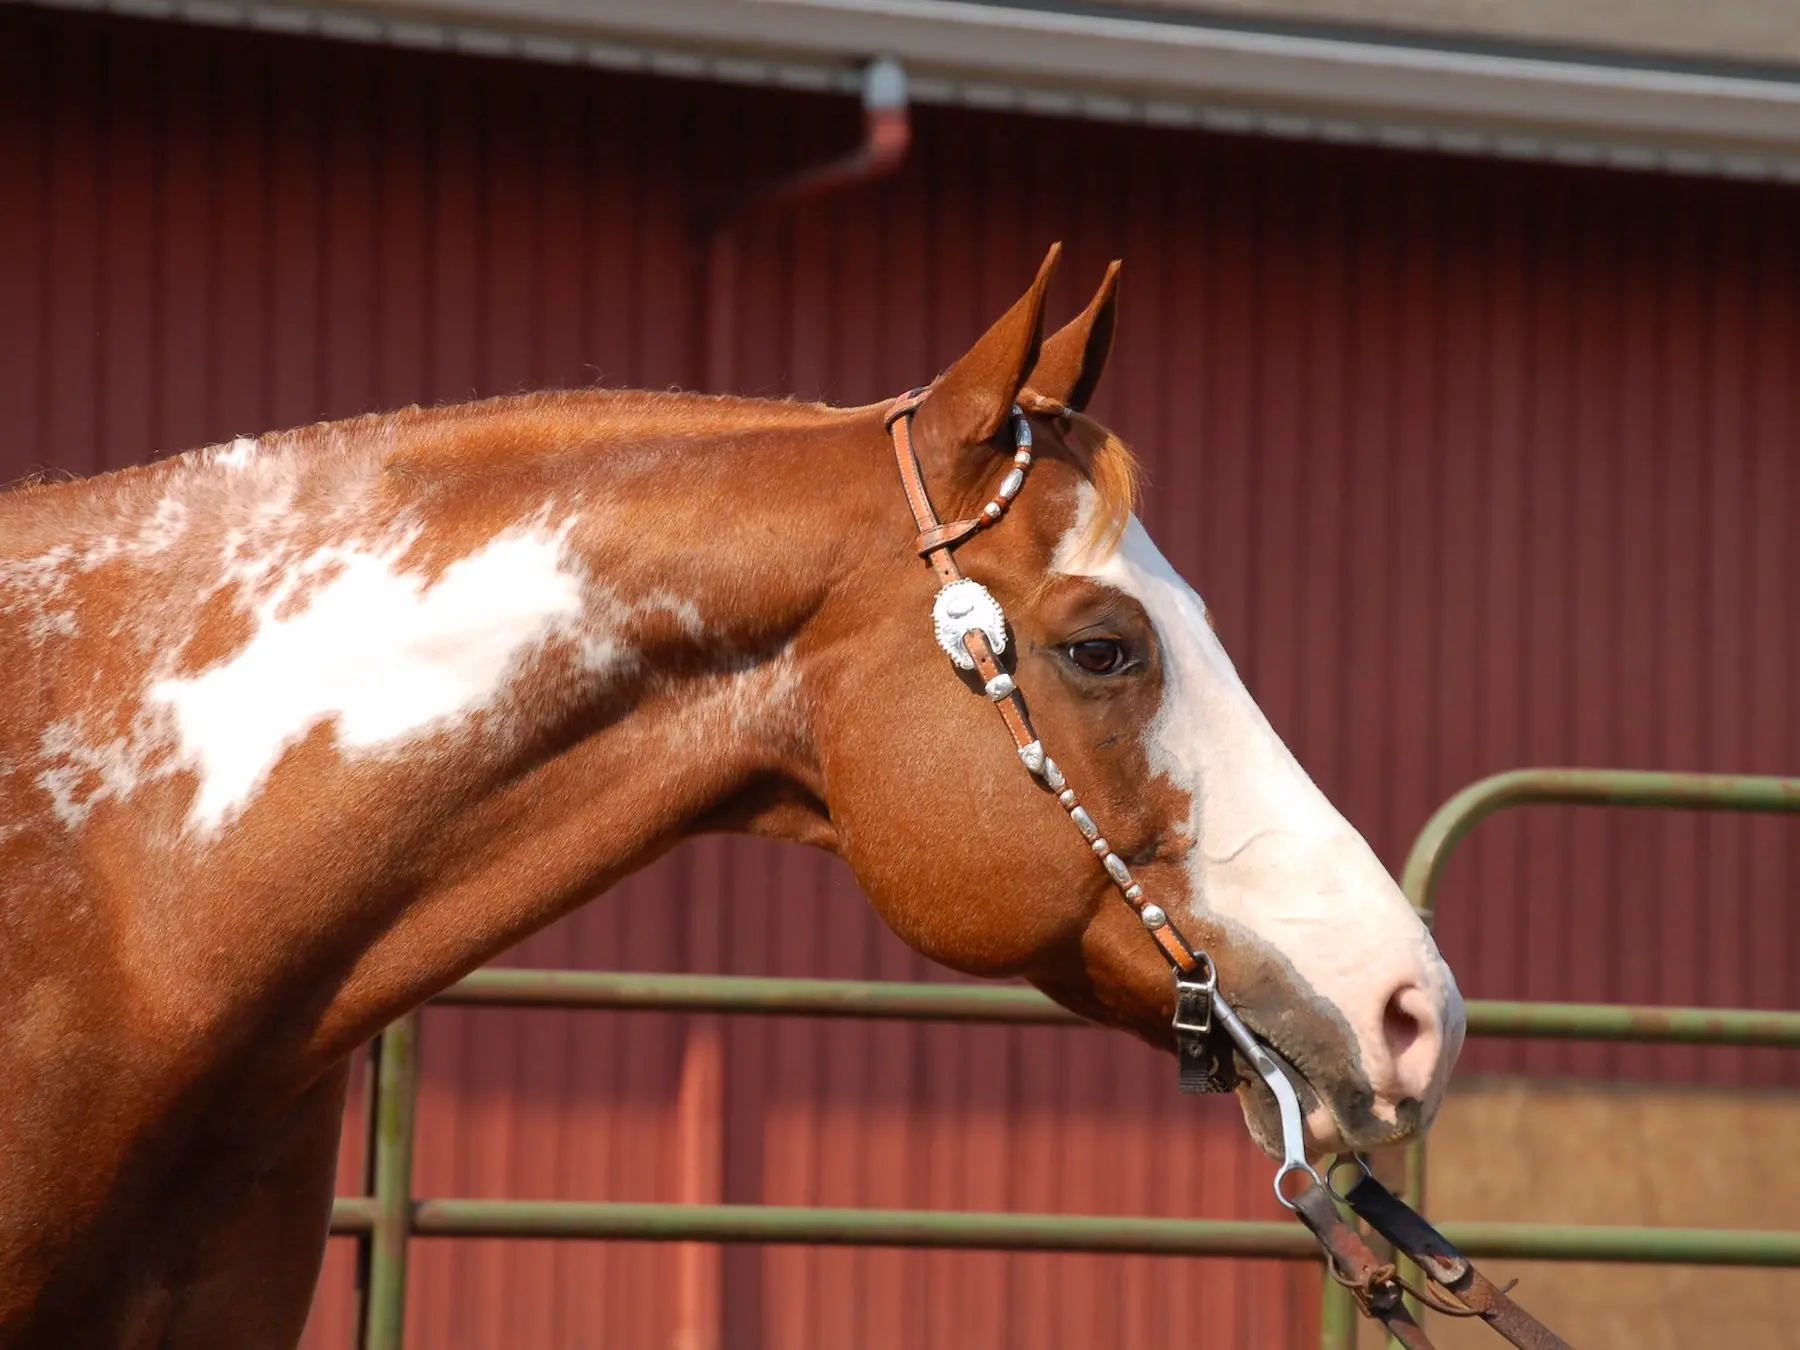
1371,1282
1446,1266
947,536
912,477
908,403
1175,948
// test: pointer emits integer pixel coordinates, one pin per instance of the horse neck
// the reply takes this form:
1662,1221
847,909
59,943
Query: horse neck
680,708
498,660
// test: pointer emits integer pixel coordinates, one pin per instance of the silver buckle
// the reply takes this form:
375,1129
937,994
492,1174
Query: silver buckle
1193,1004
1194,995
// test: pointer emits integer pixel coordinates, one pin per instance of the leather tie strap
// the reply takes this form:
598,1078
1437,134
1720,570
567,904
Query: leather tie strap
1446,1266
1349,1261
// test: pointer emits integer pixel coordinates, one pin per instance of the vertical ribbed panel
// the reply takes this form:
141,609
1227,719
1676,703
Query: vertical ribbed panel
1478,465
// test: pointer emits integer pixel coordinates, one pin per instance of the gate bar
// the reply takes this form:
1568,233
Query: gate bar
507,987
390,1210
1007,1231
1638,788
1424,870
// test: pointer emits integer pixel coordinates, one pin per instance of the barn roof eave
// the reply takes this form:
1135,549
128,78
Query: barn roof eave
1113,61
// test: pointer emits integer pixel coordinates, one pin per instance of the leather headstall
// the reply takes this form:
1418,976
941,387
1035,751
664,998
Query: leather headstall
971,628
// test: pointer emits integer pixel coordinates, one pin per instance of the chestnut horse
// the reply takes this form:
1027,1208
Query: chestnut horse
298,730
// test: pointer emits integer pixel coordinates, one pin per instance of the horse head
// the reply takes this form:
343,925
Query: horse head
971,858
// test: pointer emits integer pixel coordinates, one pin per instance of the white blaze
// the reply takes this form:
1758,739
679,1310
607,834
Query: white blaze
1271,853
377,651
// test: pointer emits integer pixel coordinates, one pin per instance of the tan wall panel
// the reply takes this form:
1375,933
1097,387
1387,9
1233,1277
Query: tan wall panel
1516,1151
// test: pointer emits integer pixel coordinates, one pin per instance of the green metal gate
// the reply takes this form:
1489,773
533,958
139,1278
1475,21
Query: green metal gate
387,1216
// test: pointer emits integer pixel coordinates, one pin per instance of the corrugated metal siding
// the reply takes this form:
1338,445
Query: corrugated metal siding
1479,464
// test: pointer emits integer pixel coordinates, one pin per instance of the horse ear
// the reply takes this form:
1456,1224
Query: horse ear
1073,358
971,401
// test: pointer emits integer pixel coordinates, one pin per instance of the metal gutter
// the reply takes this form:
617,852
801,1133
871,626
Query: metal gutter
1118,64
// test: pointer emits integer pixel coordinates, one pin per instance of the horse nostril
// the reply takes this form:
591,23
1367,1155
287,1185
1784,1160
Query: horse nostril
1399,1025
1409,1027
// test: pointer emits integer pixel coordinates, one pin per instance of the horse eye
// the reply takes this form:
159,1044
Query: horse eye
1098,656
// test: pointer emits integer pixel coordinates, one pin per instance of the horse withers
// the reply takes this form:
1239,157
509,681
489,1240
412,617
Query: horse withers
298,730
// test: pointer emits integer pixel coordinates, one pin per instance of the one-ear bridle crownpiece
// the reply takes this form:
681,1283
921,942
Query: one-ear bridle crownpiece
970,626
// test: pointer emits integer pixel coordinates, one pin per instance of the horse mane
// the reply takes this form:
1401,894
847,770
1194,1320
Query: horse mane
1113,470
499,426
1106,462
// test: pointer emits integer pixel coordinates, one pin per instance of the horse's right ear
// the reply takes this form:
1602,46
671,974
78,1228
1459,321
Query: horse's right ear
970,402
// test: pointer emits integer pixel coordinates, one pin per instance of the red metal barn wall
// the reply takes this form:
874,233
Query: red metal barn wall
1479,464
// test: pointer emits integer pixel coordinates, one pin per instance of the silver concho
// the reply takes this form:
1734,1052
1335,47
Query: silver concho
966,607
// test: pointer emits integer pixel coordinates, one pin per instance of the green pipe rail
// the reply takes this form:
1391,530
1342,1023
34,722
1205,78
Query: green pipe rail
1277,1239
1017,1006
1451,823
388,1217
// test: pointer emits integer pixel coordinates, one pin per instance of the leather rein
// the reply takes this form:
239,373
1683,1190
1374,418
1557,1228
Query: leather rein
972,630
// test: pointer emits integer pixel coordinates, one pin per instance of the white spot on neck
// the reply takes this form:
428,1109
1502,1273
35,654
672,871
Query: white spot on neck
379,652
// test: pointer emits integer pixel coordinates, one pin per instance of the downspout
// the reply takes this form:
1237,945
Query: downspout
887,134
700,1093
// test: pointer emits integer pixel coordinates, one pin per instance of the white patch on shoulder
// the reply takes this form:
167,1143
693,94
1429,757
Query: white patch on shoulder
375,650
1270,852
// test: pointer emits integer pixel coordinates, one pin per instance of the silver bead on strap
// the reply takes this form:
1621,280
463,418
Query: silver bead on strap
1015,478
